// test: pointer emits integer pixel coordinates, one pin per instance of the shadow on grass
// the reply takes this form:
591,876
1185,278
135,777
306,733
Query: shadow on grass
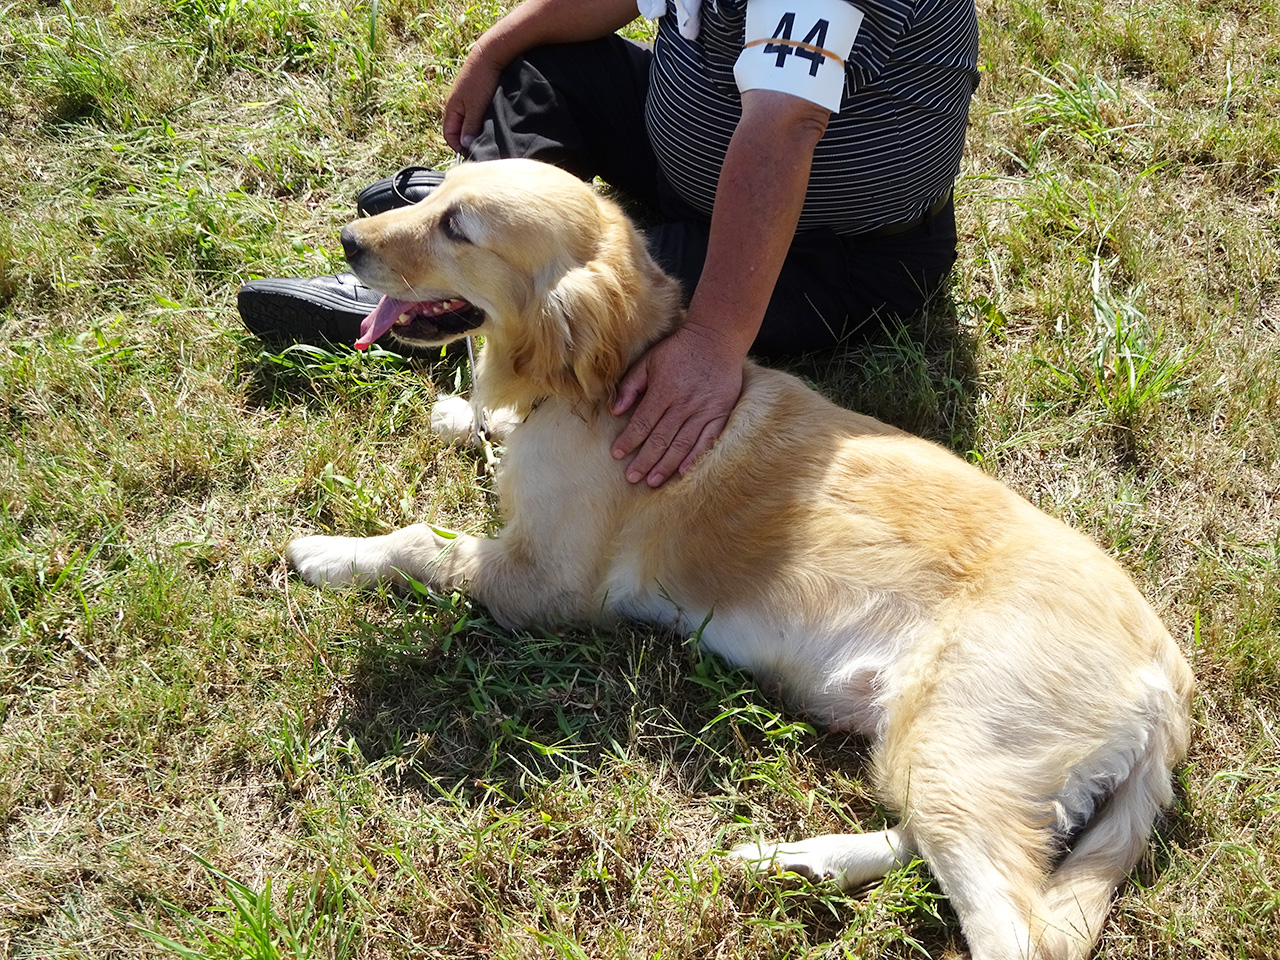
453,707
320,375
920,375
465,706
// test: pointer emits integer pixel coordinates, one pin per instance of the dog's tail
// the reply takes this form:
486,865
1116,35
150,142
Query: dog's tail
1078,894
988,848
1009,907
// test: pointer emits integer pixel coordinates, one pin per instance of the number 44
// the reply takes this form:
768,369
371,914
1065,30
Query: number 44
811,49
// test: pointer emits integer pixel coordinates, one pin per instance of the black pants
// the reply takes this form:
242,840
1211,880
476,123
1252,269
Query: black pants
581,107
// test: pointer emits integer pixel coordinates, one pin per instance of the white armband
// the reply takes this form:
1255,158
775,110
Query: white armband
798,48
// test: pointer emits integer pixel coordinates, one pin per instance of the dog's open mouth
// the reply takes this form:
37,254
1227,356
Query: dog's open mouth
426,321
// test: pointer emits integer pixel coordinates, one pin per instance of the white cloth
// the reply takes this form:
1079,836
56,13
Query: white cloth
686,14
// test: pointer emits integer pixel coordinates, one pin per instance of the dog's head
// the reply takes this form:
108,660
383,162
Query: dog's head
554,276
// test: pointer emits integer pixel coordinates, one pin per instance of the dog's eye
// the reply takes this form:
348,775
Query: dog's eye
451,224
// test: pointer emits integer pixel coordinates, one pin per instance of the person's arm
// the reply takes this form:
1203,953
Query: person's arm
687,384
533,23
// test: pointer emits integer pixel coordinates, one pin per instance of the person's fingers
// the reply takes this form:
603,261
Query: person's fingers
710,433
462,121
472,124
468,99
630,388
643,417
671,455
652,435
452,128
679,399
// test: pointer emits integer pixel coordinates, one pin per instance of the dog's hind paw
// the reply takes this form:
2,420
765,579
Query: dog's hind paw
849,859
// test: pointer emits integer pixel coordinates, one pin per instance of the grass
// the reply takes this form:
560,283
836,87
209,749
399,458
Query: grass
200,756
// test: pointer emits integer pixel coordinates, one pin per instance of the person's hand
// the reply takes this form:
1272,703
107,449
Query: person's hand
469,98
532,24
687,385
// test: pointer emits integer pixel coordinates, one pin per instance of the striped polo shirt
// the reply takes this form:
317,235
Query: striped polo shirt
892,150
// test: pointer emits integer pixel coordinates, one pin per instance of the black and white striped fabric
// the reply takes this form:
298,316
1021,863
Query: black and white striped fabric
892,150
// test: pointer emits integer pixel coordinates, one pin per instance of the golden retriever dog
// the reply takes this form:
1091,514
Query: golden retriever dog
1024,703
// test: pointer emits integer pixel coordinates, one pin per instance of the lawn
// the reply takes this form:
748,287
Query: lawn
201,755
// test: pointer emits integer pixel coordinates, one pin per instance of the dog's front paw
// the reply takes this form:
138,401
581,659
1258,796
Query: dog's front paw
327,561
452,419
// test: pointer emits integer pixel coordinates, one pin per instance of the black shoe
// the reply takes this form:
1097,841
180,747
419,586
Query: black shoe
321,311
403,188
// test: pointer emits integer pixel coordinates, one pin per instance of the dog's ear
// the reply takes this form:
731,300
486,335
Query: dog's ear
591,310
597,316
540,346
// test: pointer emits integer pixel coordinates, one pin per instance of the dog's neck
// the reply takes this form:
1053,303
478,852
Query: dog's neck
582,335
501,383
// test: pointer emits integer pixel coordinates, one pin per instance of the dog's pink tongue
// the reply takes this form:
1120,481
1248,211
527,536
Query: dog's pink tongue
381,319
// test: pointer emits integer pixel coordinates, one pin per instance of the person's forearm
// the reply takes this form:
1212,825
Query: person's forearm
758,202
536,23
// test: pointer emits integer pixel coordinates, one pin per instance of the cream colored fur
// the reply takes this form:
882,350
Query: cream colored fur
1015,685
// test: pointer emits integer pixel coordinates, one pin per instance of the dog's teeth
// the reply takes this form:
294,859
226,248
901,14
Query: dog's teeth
403,318
437,307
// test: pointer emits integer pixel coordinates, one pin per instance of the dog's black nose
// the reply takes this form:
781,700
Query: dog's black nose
350,245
